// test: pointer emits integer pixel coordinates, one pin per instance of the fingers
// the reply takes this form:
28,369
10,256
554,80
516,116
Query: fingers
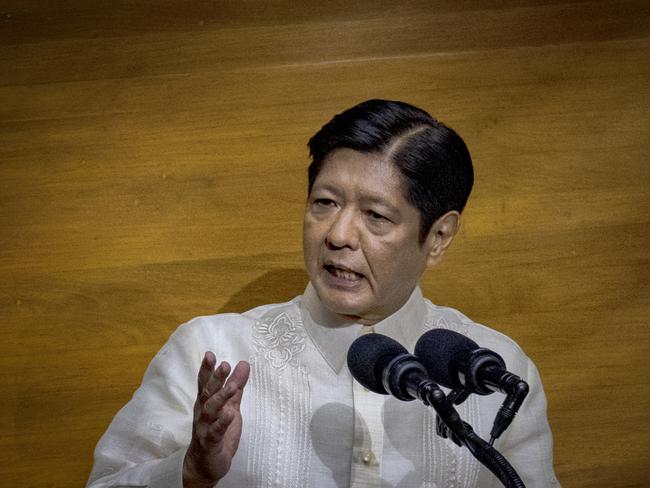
217,424
215,382
228,395
238,379
218,388
241,373
206,369
226,403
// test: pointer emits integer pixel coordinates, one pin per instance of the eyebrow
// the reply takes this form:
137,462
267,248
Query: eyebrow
367,199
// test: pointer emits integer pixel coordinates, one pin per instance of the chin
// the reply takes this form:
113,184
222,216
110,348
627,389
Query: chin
341,303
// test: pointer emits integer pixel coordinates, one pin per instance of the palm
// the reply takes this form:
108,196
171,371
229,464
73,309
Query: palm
217,425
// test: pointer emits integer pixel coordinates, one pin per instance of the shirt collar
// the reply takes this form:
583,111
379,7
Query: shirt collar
333,334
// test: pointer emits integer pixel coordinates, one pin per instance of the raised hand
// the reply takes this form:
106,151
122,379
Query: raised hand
217,425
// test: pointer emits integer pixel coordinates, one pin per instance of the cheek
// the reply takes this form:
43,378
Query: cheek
383,259
309,236
396,264
310,241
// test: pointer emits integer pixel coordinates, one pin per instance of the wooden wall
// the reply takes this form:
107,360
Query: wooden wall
152,169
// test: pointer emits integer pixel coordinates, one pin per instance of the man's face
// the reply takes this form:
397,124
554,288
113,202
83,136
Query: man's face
361,237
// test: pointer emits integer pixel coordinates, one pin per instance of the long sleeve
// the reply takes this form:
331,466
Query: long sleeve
146,441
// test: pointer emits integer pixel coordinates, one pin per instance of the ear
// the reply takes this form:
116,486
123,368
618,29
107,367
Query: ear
440,235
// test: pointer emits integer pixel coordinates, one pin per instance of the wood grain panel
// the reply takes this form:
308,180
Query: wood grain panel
152,169
96,46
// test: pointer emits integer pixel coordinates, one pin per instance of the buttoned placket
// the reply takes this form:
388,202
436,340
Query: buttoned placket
368,435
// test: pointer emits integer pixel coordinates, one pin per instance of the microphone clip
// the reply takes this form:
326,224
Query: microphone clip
456,397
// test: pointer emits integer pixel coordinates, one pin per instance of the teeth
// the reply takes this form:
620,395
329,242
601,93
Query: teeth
346,275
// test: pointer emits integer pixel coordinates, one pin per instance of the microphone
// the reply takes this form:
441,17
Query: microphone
384,366
456,361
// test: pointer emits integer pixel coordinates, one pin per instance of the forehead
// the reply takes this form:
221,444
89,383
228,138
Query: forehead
369,175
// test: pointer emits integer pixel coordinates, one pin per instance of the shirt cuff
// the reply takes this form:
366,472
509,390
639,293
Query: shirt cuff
168,473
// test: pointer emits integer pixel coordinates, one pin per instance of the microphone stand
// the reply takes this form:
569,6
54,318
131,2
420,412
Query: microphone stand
404,376
463,434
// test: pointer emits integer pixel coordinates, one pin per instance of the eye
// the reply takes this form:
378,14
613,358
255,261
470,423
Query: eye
324,202
322,206
377,216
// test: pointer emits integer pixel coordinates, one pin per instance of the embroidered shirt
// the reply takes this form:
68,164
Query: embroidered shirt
306,422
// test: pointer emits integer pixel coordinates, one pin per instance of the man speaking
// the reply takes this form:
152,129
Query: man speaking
387,185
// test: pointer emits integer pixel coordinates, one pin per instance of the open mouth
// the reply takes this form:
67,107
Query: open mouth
343,273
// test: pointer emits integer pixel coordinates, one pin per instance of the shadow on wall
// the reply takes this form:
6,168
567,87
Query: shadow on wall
279,285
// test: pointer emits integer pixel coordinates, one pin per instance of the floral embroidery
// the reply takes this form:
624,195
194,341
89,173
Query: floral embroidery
279,340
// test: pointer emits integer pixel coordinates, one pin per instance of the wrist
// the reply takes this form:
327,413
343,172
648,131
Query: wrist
191,476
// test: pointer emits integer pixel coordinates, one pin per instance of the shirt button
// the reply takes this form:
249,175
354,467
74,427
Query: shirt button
367,457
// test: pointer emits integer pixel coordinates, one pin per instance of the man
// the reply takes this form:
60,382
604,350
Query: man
387,185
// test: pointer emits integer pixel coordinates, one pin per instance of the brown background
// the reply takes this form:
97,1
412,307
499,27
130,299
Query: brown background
152,168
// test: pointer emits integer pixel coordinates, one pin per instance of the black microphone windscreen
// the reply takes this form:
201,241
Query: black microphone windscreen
436,350
369,355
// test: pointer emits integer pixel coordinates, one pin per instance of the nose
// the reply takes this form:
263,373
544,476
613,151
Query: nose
343,231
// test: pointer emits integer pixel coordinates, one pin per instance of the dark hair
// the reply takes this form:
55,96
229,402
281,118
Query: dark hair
431,157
